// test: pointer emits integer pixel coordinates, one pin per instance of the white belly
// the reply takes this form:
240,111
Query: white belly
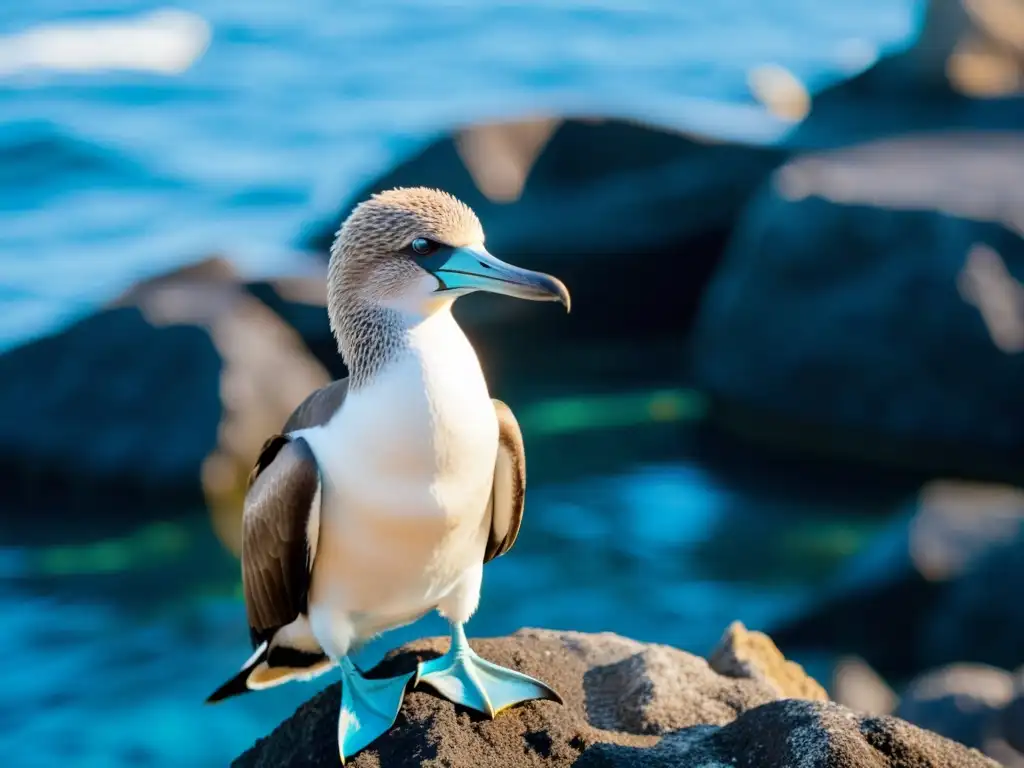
407,465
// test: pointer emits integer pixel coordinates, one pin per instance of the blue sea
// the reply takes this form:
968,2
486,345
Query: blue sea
136,137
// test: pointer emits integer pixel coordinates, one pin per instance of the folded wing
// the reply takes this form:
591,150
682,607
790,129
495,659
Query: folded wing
508,492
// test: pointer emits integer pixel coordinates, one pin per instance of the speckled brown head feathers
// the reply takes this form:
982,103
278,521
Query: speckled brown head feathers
365,259
368,270
390,220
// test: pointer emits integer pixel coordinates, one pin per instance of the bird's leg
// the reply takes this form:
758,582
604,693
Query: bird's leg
369,707
462,677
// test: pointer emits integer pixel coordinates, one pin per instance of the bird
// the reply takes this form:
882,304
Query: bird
386,492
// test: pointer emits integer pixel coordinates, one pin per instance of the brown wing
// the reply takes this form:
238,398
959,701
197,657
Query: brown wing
281,507
318,408
508,492
315,410
275,552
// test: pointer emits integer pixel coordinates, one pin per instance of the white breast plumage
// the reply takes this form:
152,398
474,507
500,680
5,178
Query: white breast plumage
408,466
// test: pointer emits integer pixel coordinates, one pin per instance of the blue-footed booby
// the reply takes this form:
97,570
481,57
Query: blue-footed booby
386,492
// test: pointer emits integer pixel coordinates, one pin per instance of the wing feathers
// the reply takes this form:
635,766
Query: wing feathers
508,494
275,554
319,407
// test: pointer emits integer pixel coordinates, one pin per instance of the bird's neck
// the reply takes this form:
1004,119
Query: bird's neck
371,336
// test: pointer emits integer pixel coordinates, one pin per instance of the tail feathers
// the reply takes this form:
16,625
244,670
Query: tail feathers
270,668
238,684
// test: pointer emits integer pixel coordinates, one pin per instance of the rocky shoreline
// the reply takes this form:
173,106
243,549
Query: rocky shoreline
626,704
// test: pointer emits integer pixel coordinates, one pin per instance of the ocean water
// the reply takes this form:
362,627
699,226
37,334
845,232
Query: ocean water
136,137
110,171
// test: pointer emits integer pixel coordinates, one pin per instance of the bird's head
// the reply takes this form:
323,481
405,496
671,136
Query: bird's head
415,250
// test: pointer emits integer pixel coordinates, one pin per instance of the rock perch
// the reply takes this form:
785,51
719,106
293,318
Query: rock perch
626,704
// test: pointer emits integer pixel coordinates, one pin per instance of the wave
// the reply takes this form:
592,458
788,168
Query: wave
38,156
166,41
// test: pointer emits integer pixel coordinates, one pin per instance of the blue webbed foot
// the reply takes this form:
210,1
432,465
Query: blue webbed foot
462,677
369,708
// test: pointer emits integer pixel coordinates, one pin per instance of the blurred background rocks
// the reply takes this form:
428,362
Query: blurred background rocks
632,216
941,585
164,397
870,302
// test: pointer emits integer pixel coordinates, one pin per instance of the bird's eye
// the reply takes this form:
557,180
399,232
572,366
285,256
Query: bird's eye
423,247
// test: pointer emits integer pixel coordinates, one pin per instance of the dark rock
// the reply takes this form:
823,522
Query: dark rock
959,74
1005,738
626,704
941,586
884,582
160,401
974,704
981,614
959,701
870,305
633,218
1012,720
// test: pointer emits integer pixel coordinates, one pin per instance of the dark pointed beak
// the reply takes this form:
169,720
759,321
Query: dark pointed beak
472,268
